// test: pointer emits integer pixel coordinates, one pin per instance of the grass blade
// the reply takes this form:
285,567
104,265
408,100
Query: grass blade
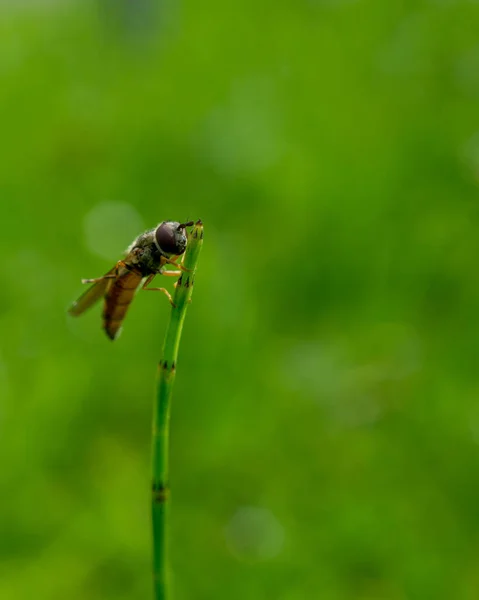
161,415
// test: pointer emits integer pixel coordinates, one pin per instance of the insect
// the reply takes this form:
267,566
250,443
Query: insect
146,257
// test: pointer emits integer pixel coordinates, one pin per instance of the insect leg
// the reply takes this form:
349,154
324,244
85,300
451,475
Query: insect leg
149,289
114,275
97,279
172,262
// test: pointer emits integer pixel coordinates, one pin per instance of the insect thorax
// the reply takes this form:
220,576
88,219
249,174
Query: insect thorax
144,254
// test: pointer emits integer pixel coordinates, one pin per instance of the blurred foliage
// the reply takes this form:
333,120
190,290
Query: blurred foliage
325,423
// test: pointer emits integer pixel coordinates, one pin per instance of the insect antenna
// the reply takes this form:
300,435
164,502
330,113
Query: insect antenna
183,225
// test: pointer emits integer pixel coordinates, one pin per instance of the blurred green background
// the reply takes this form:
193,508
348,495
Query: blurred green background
325,423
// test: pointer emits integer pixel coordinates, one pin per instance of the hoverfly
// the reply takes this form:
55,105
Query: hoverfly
146,257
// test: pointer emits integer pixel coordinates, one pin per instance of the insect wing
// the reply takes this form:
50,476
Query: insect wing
91,296
118,299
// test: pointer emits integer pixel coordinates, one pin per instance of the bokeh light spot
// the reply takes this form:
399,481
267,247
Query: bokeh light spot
470,154
245,135
110,227
254,534
347,378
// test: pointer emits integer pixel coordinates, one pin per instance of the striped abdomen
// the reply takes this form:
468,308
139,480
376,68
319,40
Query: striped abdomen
118,298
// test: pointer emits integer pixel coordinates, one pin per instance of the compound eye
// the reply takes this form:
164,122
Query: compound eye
166,239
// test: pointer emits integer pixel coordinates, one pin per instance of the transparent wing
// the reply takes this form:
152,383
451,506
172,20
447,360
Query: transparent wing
94,293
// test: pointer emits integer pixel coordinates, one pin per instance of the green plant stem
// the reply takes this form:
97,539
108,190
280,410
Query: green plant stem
161,415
